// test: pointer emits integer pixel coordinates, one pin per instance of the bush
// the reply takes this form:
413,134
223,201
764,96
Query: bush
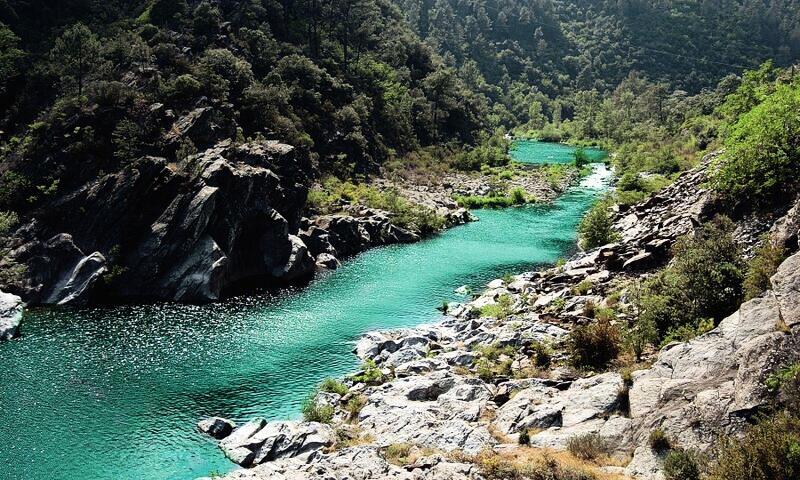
314,411
354,405
500,310
370,374
703,281
398,453
596,228
762,153
767,451
8,220
659,441
588,446
786,383
524,437
330,385
681,465
762,267
593,346
542,354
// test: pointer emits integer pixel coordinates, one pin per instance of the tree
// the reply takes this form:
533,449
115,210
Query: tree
10,57
76,53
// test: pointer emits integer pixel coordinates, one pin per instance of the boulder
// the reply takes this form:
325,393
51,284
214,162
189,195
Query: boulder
216,427
327,261
258,441
11,307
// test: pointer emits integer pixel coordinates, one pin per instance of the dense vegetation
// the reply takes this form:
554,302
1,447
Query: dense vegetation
87,87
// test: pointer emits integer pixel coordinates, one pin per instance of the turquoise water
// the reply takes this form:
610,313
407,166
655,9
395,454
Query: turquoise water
532,151
115,393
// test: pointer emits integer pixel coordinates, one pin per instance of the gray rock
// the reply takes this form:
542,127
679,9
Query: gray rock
216,427
11,308
327,261
258,441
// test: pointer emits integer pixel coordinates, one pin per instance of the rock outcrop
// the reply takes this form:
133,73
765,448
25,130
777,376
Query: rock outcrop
10,316
259,441
160,231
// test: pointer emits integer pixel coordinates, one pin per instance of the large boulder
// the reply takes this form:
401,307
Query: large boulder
10,315
259,441
223,218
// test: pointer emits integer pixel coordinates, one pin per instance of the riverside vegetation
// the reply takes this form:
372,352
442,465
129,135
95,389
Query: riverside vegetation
190,150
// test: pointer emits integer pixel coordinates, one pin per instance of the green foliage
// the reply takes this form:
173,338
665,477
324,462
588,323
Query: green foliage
762,154
370,374
314,411
659,441
499,310
767,451
76,53
354,405
703,281
762,267
588,446
596,228
786,383
542,354
405,214
8,220
581,158
680,464
331,385
594,345
11,58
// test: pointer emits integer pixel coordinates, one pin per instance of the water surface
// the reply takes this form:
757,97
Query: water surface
534,151
115,393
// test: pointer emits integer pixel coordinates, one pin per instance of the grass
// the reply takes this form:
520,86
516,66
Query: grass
500,310
537,464
314,411
589,446
331,385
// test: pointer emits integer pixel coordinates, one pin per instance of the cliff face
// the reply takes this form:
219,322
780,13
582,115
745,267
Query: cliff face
174,232
472,383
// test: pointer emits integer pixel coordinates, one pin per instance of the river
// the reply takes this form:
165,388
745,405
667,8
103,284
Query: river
114,393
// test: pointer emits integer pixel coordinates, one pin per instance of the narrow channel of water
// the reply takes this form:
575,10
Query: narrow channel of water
115,393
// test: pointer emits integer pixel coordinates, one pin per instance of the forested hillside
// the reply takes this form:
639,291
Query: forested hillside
88,87
535,51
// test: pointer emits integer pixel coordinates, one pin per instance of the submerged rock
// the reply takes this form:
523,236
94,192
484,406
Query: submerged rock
216,427
11,307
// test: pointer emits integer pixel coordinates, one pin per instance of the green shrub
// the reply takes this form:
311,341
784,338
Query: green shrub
762,267
584,287
681,464
330,385
542,354
8,220
580,158
659,441
314,411
588,446
518,196
354,405
596,228
593,346
500,310
524,437
762,155
703,281
769,450
371,374
786,383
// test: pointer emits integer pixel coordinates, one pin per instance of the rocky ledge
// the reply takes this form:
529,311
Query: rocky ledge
10,316
229,217
446,394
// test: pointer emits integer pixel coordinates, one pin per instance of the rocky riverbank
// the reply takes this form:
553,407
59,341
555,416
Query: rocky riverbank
457,398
